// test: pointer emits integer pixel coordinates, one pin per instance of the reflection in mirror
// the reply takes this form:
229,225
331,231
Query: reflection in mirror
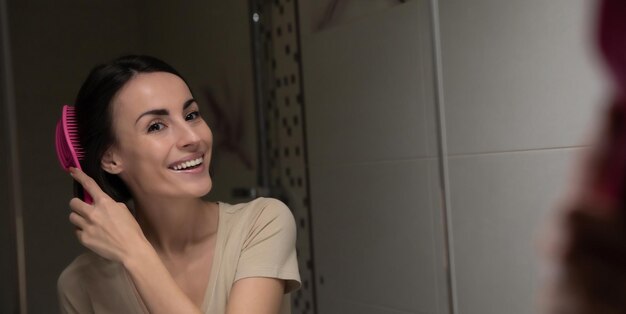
418,144
55,45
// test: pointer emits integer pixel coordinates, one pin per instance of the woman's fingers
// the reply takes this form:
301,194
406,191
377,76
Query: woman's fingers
77,220
88,184
81,208
79,234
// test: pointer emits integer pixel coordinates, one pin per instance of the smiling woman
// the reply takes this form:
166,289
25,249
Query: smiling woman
157,125
145,139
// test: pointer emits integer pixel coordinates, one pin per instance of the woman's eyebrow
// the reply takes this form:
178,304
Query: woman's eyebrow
188,103
164,112
156,112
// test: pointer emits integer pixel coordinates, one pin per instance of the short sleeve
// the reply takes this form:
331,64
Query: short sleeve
72,297
269,246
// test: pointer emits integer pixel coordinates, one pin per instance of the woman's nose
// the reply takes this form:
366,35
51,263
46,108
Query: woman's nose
187,137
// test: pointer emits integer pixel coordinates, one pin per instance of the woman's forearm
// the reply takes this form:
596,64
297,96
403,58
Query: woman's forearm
155,285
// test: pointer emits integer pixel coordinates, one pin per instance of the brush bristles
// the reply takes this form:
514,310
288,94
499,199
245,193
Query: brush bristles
72,129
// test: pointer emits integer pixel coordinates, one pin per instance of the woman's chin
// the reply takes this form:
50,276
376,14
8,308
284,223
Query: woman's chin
197,185
197,188
194,187
202,189
205,191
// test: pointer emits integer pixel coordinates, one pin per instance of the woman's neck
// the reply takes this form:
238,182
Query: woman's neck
174,226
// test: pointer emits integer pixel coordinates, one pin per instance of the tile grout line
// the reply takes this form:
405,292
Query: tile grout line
443,155
427,158
574,147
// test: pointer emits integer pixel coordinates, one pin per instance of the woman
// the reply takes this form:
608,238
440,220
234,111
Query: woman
145,141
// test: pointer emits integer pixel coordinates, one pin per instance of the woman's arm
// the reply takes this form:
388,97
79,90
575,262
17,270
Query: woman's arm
256,295
108,229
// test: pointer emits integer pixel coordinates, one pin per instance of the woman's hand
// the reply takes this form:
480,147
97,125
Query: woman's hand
106,227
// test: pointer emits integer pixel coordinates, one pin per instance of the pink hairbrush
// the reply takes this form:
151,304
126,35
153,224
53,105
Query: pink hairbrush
68,148
611,42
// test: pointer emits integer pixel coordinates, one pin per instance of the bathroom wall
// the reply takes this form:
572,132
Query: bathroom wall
519,100
209,43
53,45
521,91
9,299
283,106
372,147
8,261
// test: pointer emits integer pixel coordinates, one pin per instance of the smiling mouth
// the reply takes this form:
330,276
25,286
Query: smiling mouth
188,165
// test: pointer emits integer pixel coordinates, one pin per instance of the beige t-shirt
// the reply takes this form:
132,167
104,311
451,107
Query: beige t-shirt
255,239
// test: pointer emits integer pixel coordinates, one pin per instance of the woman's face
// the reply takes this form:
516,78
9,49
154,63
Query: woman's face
163,146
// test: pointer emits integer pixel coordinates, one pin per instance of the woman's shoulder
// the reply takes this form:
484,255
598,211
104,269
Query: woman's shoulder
84,268
92,284
267,236
259,206
257,213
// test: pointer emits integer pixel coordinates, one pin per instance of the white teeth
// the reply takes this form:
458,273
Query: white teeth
188,164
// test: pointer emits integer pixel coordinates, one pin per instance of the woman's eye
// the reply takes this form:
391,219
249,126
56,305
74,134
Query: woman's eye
192,115
157,126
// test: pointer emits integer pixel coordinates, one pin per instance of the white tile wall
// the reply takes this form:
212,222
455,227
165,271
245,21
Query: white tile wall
520,79
520,85
518,74
368,91
375,197
374,227
499,202
342,306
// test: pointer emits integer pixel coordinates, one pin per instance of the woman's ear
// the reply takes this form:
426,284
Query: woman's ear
111,162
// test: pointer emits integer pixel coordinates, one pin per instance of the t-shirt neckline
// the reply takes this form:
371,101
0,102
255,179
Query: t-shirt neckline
217,259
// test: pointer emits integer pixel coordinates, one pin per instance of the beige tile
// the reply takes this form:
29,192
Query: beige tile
518,74
367,88
374,228
499,202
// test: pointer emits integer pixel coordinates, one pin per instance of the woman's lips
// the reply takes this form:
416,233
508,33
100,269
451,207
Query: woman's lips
198,169
191,170
190,158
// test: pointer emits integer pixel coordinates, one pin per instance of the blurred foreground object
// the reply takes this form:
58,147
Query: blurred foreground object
592,256
611,36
